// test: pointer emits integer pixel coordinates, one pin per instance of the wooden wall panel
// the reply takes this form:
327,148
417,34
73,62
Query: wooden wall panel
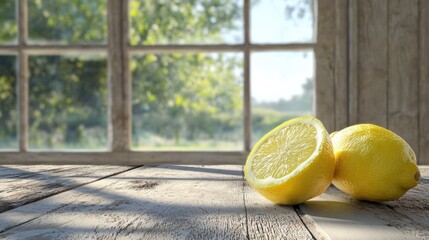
423,153
404,70
353,51
325,64
341,102
372,61
387,70
118,133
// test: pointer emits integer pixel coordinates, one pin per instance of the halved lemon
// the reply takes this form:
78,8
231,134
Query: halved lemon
292,163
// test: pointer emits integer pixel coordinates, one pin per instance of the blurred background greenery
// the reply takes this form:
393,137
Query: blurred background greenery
189,101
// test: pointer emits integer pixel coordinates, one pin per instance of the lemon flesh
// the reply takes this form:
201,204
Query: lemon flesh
292,163
373,163
286,144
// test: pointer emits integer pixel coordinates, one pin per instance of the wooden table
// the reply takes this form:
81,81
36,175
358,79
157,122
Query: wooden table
188,202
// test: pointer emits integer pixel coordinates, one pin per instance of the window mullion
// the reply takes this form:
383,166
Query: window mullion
23,75
246,85
118,133
126,73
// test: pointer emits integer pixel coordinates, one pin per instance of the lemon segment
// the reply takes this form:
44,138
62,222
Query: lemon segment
292,163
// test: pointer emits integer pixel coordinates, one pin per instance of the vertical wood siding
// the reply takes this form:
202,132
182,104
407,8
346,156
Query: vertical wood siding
403,80
372,62
424,83
341,84
380,60
325,64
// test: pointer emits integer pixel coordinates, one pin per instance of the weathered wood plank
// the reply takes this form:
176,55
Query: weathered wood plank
124,158
266,220
126,73
372,61
204,202
325,64
423,155
341,217
118,138
341,62
343,220
412,210
21,185
23,80
403,87
167,202
353,74
187,48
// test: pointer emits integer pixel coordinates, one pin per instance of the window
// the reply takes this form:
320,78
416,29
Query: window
121,82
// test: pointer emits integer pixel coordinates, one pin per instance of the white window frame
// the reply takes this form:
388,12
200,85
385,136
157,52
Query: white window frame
119,84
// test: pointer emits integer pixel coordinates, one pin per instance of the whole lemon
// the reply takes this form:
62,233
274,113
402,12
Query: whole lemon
373,163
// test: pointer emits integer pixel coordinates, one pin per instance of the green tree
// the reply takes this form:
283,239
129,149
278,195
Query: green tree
8,102
8,28
185,97
67,99
67,21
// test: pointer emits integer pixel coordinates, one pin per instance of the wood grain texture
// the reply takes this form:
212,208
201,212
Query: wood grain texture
411,212
123,158
20,185
186,48
341,62
423,155
23,91
403,87
247,108
160,202
169,202
126,73
353,74
195,202
325,64
118,140
342,217
372,61
266,220
23,79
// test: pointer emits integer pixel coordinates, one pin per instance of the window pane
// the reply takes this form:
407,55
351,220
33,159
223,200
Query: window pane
68,97
188,101
282,88
282,21
8,27
64,21
186,22
8,103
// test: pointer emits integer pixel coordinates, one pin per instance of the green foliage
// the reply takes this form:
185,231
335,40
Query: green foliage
190,21
8,27
67,21
67,102
202,99
186,99
8,102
